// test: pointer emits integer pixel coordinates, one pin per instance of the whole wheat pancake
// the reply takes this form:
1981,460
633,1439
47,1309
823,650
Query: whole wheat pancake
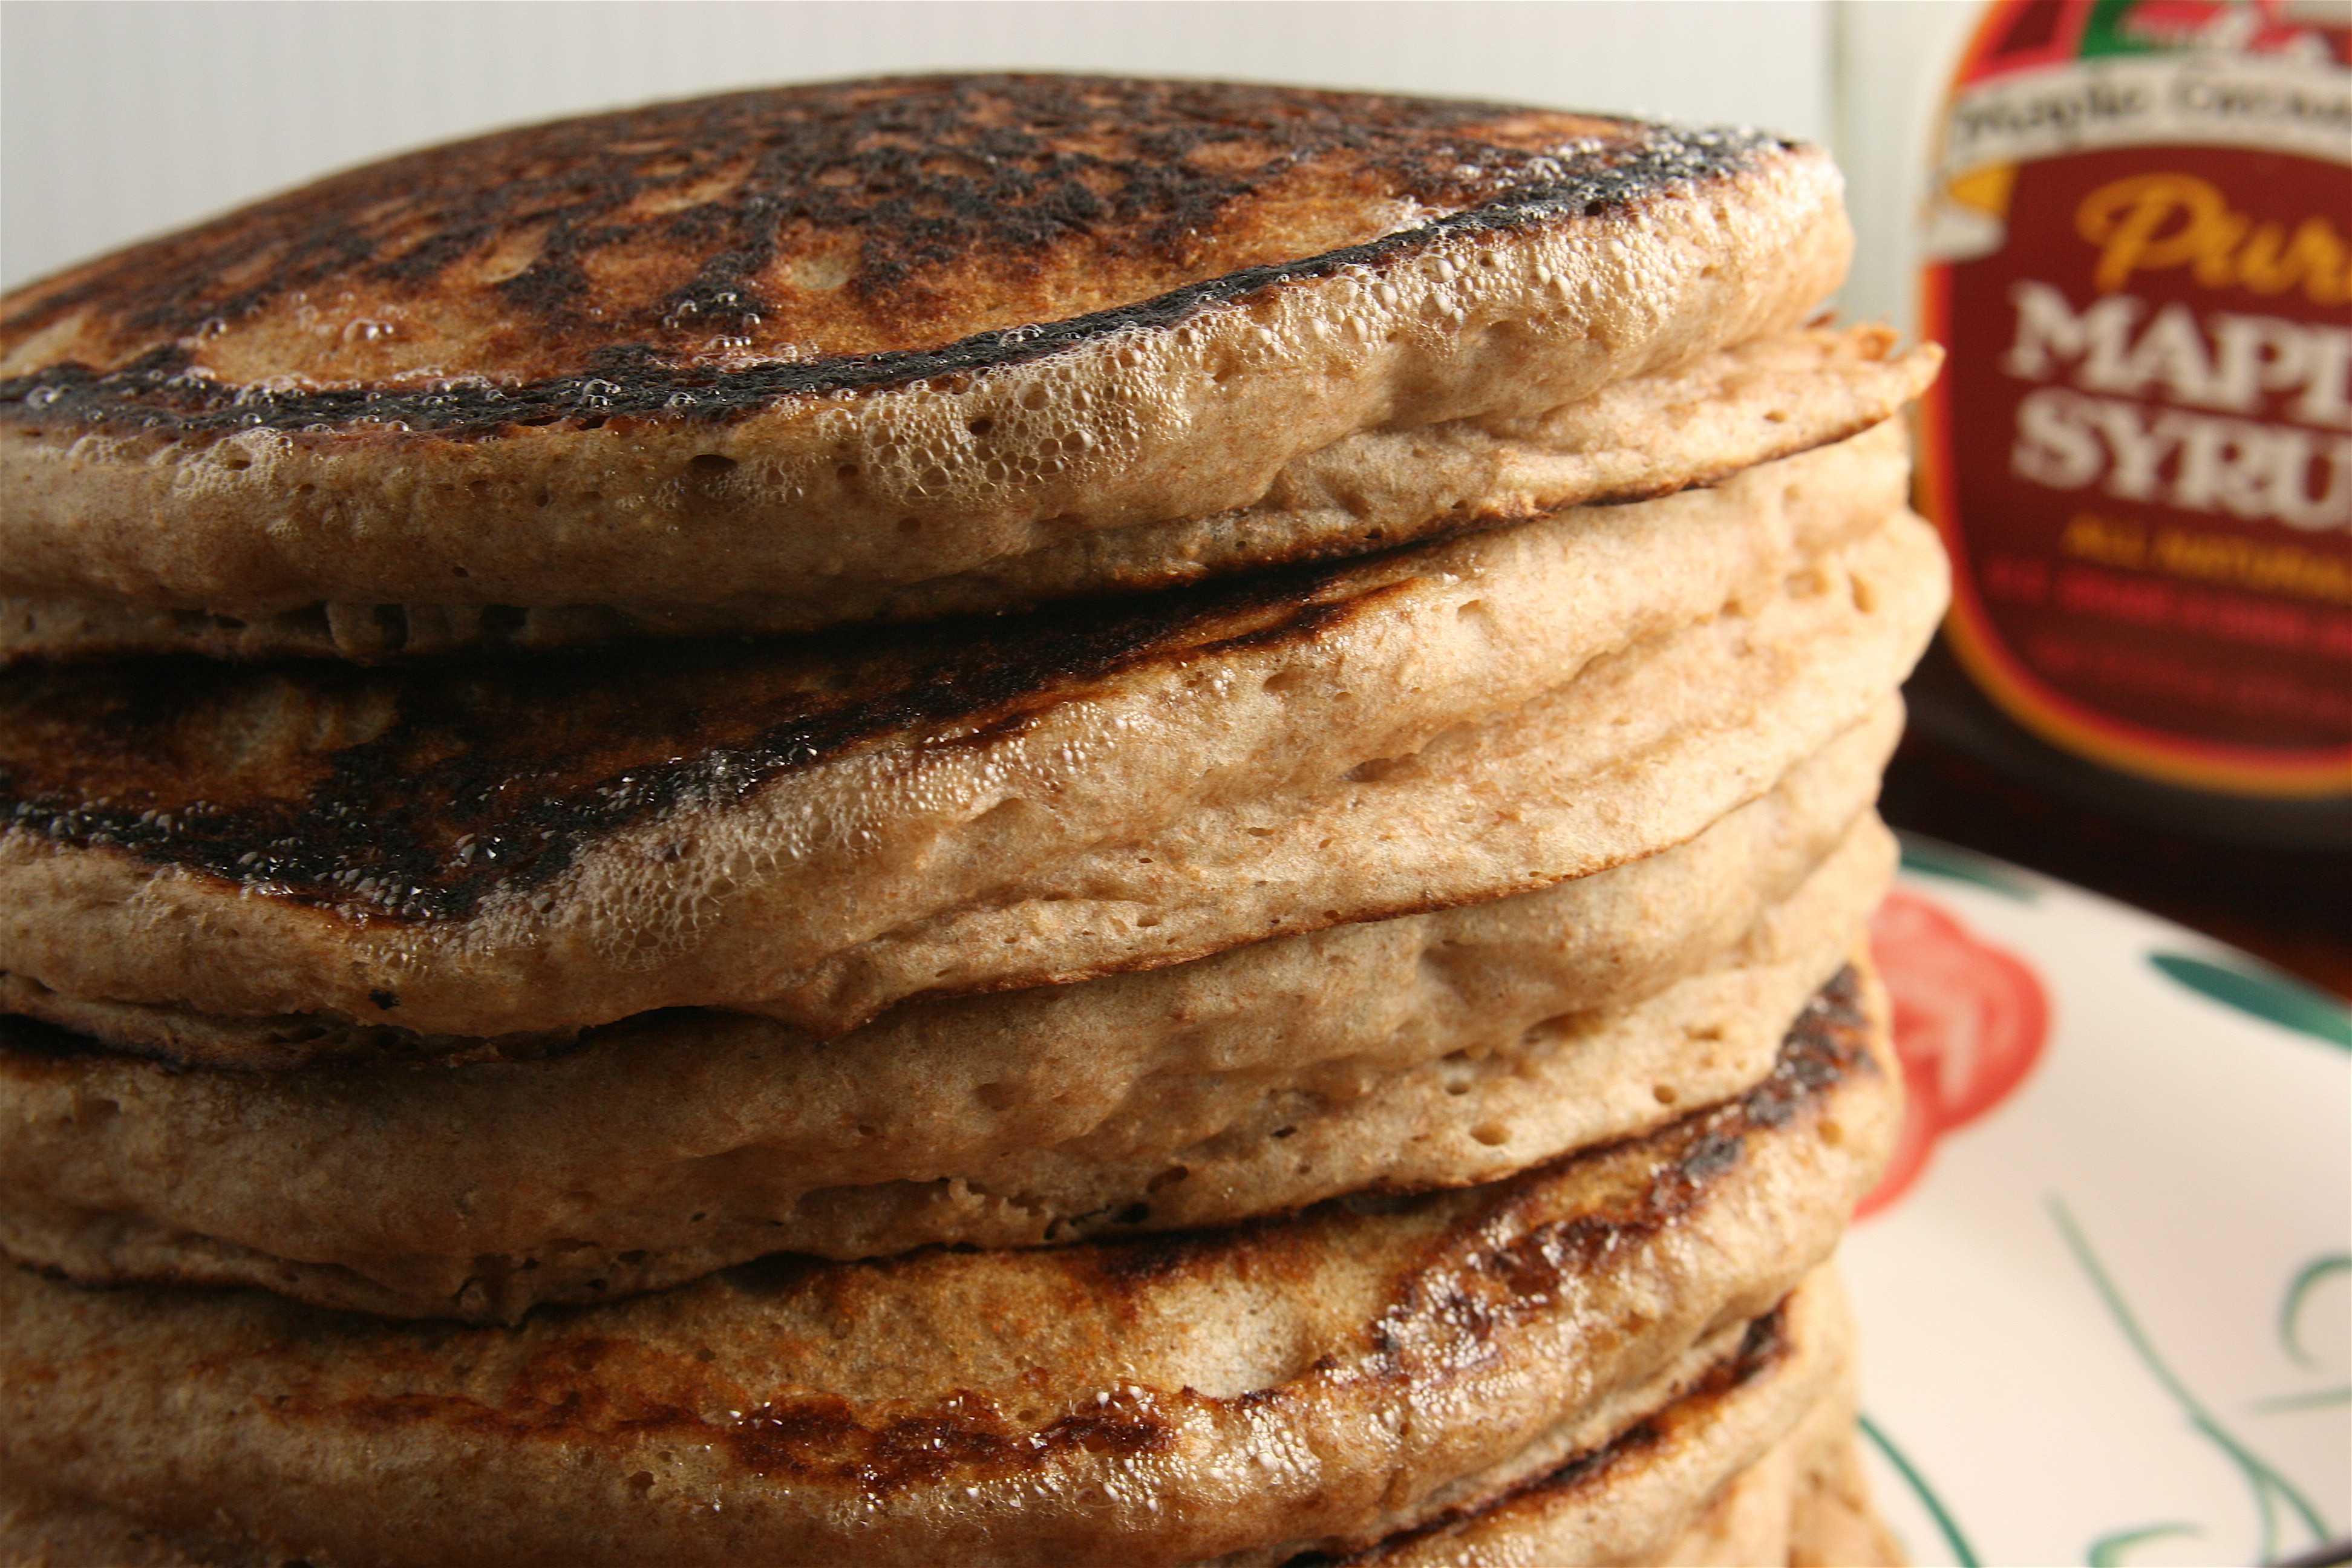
1640,1497
856,335
1647,436
1593,942
819,828
481,1191
1318,1383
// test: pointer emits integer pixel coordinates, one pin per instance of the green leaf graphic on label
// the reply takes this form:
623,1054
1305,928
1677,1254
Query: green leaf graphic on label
2105,33
1932,859
2274,998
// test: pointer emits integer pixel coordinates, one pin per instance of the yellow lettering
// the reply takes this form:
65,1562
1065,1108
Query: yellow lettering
2263,567
2108,541
2126,220
2226,559
2151,222
2315,258
2216,265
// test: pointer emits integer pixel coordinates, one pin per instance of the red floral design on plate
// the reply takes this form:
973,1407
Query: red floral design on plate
1969,1023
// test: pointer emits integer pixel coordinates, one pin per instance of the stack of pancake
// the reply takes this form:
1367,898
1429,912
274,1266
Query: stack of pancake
982,820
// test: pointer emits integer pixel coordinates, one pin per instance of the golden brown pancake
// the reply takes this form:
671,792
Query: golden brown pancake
694,1141
1592,941
1639,1498
819,828
856,336
1318,1383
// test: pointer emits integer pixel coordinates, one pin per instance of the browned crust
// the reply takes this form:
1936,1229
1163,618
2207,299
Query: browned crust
960,224
524,763
306,780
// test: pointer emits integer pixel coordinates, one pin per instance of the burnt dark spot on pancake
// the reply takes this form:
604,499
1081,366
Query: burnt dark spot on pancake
1824,1046
605,1399
1114,1426
806,1436
414,794
1130,1264
823,1437
815,240
1710,1157
1766,1341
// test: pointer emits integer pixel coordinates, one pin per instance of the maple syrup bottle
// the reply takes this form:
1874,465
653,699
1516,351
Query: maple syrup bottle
2138,254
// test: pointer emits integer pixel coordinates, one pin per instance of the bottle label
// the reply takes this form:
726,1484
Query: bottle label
2139,256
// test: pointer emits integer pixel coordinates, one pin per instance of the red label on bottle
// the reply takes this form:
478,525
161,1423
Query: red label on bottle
2141,452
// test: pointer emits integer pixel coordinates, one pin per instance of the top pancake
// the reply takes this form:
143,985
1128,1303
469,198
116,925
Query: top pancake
860,333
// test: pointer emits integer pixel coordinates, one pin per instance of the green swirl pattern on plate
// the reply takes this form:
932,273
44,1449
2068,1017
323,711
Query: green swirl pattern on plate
2263,994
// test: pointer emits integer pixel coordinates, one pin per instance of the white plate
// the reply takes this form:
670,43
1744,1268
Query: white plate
2109,1319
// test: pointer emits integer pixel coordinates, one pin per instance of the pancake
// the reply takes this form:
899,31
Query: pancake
480,1191
818,830
788,343
1318,1383
1799,1503
1593,942
1647,436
